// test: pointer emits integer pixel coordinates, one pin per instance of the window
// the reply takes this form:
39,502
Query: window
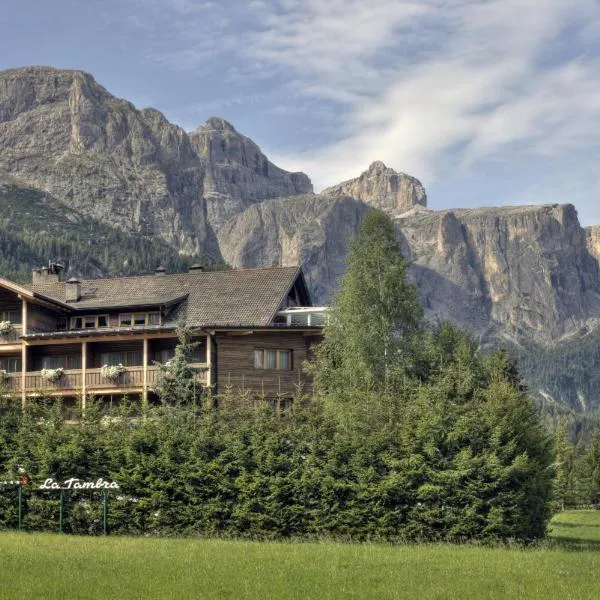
61,323
284,361
163,356
10,365
197,355
139,319
14,316
126,358
87,322
281,405
125,320
273,359
65,361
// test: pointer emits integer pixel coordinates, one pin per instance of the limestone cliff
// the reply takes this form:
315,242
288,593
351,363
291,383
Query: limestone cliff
63,133
521,272
309,230
593,240
237,173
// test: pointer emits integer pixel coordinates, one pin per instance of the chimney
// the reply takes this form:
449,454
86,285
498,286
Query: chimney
49,274
160,271
73,290
196,268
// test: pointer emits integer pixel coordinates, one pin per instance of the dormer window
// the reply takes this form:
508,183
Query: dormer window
139,319
87,322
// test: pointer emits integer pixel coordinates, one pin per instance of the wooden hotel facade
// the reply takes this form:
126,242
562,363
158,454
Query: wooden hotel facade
254,328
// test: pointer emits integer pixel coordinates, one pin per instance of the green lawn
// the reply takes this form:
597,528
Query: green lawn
577,528
51,566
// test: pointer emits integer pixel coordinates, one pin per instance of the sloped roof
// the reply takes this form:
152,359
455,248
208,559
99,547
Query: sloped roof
205,298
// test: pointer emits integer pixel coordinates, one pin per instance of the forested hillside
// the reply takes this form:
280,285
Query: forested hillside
567,374
35,228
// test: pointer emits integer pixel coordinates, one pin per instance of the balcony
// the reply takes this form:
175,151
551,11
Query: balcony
12,336
303,316
71,381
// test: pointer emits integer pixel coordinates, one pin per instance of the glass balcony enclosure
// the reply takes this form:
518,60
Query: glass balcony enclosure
309,316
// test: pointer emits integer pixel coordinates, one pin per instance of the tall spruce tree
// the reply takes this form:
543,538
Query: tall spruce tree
375,316
177,382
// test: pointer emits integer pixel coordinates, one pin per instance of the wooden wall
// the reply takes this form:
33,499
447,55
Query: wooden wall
9,300
40,318
235,362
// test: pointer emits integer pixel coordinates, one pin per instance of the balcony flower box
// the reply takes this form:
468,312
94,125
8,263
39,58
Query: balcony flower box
52,375
112,372
5,327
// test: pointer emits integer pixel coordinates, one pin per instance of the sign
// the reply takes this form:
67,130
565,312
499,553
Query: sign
77,484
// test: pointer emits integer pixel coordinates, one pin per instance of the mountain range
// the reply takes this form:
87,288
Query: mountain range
89,179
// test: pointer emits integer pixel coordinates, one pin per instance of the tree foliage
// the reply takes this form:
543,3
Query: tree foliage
411,434
374,317
177,382
35,229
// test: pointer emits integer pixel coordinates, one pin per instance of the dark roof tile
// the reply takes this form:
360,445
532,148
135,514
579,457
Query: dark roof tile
218,298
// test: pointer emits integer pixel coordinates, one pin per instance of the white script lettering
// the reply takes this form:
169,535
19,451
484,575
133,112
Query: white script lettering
76,484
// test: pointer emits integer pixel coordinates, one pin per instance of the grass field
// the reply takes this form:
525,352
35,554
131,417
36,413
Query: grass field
51,566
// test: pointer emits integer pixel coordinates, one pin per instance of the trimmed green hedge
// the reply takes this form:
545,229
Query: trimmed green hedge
442,467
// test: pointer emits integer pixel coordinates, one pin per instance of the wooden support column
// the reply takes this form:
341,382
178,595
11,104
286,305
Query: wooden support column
24,317
209,360
23,373
84,354
23,354
145,364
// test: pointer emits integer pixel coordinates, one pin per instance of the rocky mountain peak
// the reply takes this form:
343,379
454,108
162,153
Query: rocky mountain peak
217,124
62,132
376,167
381,187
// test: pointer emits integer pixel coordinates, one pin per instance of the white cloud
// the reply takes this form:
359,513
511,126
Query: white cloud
484,87
424,85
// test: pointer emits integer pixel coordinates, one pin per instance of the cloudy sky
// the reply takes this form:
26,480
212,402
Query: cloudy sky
486,102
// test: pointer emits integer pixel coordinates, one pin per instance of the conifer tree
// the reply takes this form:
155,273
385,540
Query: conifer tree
177,382
374,317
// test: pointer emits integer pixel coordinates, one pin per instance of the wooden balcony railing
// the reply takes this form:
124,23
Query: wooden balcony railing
12,382
72,380
12,336
132,377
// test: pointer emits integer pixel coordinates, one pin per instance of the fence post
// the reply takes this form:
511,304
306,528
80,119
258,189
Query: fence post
61,510
105,511
20,506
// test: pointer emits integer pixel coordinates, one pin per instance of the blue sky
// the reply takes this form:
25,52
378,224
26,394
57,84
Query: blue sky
486,102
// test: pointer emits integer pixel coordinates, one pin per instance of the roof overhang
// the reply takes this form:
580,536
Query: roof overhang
131,306
26,294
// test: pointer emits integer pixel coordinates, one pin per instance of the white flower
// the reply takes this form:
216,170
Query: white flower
5,327
52,374
112,372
